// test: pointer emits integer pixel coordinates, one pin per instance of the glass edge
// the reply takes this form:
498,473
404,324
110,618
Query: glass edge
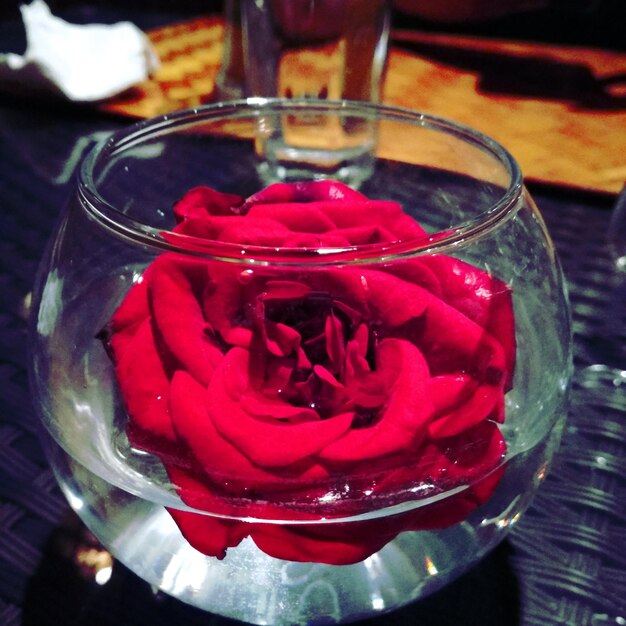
134,231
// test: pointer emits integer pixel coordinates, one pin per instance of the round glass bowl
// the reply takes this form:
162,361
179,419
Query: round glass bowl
308,402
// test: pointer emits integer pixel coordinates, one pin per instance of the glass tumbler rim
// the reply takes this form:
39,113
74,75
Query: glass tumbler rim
159,239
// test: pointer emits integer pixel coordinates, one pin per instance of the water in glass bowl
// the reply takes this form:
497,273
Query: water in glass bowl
121,493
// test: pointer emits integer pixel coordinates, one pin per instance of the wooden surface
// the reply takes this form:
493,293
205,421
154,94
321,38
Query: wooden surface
561,111
190,54
556,109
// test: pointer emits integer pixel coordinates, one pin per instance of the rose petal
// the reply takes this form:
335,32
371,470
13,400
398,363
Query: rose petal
361,212
275,410
447,464
223,297
451,390
335,343
309,191
206,533
453,342
257,231
474,404
281,340
134,308
407,412
210,535
128,317
335,544
285,290
388,217
299,218
364,235
394,301
145,389
241,337
198,493
203,202
325,376
472,454
406,228
476,294
266,444
367,392
201,227
309,241
174,291
236,229
450,340
483,298
225,464
360,340
417,272
277,376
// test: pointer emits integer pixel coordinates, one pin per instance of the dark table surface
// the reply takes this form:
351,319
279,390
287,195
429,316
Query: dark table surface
565,562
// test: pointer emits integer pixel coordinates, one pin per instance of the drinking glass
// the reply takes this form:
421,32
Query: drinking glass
321,49
305,403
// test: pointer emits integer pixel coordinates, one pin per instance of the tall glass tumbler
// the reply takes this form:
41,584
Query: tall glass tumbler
324,49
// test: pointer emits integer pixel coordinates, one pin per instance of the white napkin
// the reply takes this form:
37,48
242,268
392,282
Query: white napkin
81,63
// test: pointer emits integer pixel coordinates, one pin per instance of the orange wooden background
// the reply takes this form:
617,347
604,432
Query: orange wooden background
561,111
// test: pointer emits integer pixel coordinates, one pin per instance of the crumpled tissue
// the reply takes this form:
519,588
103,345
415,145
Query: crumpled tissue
80,63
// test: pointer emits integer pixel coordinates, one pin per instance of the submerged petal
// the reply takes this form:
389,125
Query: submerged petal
404,418
265,443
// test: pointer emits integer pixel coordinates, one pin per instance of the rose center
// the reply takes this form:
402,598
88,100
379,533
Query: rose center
333,367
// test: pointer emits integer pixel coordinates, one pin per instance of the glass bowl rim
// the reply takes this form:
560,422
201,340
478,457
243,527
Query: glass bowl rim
112,219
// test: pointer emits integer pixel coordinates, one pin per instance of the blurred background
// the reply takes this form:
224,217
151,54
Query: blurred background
598,23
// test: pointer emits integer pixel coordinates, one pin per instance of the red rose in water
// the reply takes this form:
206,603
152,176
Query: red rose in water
313,391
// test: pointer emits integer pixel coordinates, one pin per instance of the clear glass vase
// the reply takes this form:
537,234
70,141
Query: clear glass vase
308,403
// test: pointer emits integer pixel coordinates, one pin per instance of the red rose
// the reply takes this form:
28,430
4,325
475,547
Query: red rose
306,390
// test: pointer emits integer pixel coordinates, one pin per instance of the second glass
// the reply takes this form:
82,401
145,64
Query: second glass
322,49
